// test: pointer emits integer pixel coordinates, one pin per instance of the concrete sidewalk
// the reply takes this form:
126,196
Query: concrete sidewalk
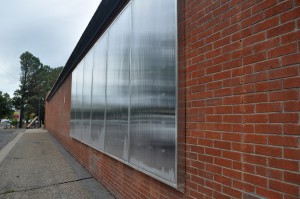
38,167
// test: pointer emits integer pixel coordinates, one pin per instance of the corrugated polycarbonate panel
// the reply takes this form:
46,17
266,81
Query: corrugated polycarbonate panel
126,94
153,88
73,103
98,94
117,102
87,97
79,101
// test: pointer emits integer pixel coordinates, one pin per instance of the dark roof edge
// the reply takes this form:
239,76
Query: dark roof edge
107,11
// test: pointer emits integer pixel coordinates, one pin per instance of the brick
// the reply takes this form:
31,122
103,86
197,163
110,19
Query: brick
270,173
243,166
214,169
284,72
214,102
266,65
266,24
232,192
292,177
266,45
223,162
244,128
284,187
213,53
283,50
268,151
232,64
232,100
279,8
253,39
255,98
231,155
213,185
268,107
220,195
290,15
255,118
247,148
214,37
290,37
280,30
292,106
268,193
213,152
223,92
200,103
213,69
221,59
221,75
268,128
254,179
257,139
222,42
223,110
253,19
249,108
232,118
284,118
284,164
213,118
270,85
263,5
292,154
292,82
255,159
291,129
214,85
287,141
249,88
222,145
231,47
232,173
223,180
283,95
255,58
243,186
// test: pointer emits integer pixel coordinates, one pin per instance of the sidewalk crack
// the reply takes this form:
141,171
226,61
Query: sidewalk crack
11,190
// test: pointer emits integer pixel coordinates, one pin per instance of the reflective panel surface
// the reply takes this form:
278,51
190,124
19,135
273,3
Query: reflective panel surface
79,100
125,95
87,98
153,87
98,94
73,103
117,92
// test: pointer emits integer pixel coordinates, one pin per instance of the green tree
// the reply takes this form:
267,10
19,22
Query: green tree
5,105
29,67
35,82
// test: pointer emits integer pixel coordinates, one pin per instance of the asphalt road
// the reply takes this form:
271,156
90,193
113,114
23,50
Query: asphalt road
6,135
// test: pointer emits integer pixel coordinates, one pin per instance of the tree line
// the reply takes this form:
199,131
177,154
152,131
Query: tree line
36,80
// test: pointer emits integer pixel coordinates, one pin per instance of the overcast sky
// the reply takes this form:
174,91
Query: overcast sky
49,29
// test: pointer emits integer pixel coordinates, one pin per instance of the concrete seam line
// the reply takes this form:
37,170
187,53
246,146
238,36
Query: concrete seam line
7,148
50,185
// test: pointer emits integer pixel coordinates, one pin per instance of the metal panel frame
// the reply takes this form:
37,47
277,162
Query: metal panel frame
179,183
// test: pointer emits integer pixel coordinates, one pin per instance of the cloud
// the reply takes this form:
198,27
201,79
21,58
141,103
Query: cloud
49,29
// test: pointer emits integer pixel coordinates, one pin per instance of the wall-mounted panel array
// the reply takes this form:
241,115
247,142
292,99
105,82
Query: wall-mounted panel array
124,92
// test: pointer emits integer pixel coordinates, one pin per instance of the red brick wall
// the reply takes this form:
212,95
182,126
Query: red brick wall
242,107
